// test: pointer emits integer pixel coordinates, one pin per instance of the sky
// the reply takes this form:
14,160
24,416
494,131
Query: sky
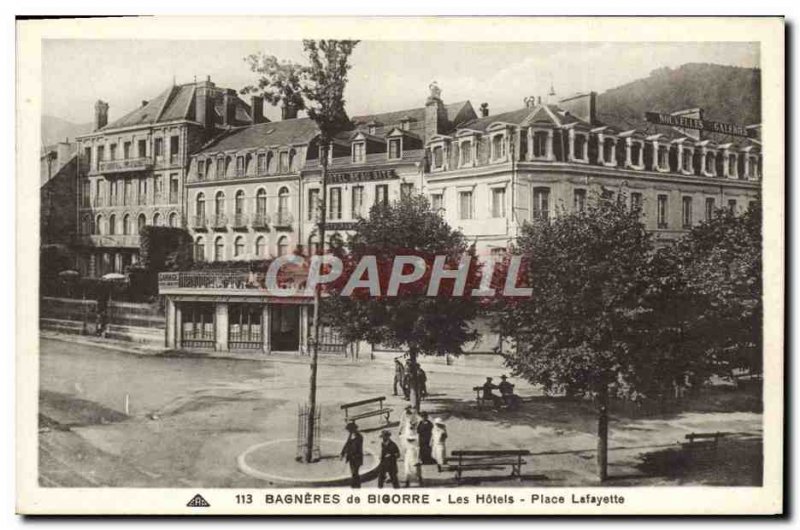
386,76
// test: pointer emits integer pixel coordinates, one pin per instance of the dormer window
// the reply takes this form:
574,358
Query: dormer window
662,160
732,169
635,154
579,146
358,152
609,151
437,161
395,148
465,153
686,160
261,164
498,147
541,143
200,169
710,164
283,162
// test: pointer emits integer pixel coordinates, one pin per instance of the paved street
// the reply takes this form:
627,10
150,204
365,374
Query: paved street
189,418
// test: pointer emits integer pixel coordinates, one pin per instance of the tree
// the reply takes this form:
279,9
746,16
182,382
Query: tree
720,264
585,327
318,89
424,325
279,82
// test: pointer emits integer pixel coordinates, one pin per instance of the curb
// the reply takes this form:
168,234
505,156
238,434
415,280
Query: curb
341,480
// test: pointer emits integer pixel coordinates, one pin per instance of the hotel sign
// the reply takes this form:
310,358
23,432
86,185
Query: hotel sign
342,177
685,122
338,225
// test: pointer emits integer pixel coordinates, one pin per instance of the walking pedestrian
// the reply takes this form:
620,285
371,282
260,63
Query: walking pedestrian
408,424
411,465
353,453
399,376
388,464
439,443
422,377
425,431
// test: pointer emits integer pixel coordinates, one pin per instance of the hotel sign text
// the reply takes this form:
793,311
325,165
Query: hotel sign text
342,177
694,123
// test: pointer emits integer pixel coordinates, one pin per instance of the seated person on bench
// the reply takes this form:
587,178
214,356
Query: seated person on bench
510,399
489,395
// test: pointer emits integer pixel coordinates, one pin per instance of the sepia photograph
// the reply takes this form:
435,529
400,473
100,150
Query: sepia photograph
530,271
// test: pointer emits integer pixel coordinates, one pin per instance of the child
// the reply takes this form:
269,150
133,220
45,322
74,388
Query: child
411,462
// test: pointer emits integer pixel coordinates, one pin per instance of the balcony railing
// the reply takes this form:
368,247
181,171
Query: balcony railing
239,221
231,280
219,221
199,222
260,220
283,220
128,164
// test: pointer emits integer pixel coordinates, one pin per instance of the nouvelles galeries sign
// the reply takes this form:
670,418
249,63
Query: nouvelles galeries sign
686,122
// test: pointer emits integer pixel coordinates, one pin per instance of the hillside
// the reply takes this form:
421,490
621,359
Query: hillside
727,93
56,130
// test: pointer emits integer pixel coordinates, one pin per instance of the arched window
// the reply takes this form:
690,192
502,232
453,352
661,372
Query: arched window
261,247
200,249
142,221
283,202
173,219
99,226
239,202
112,225
219,249
283,246
156,219
261,202
200,205
126,225
219,203
238,247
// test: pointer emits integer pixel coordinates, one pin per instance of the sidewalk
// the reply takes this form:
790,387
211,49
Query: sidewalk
432,365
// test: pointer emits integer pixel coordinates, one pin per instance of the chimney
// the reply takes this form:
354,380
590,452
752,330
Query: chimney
100,114
484,109
204,103
256,109
288,111
435,113
582,106
63,151
228,107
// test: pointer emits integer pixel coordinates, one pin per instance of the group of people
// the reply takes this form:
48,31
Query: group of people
507,397
402,378
423,443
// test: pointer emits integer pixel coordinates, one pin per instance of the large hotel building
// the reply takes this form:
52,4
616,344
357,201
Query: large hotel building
248,188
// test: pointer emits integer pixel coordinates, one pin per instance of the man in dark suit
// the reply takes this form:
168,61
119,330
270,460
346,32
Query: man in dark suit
389,455
425,431
353,453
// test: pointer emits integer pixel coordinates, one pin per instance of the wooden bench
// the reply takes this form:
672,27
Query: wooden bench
379,411
703,440
489,459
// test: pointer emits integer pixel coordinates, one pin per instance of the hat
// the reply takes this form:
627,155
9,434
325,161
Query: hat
488,378
386,434
411,438
351,426
438,421
503,377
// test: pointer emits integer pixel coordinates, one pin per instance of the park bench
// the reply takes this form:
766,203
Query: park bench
489,459
703,440
379,411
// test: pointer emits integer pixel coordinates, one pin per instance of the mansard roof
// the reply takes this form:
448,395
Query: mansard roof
297,131
176,103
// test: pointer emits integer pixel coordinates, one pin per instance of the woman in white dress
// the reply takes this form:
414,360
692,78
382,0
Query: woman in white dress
439,443
411,463
408,425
